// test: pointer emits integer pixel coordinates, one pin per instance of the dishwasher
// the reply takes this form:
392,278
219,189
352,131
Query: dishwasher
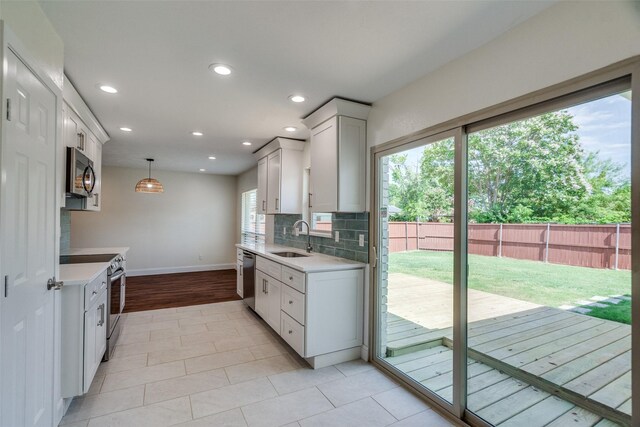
248,279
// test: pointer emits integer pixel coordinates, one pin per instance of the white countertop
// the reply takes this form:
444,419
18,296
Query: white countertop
313,263
81,274
94,251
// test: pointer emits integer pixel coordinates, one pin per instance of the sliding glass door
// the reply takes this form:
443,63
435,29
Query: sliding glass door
503,262
415,321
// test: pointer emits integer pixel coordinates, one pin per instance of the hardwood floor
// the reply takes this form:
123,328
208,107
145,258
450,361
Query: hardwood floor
179,290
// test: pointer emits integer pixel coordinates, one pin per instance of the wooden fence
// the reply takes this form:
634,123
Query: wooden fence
596,246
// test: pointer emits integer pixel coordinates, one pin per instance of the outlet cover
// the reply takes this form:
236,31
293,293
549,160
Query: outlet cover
337,236
361,240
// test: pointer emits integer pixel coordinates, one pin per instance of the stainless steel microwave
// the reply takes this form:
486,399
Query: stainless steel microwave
81,178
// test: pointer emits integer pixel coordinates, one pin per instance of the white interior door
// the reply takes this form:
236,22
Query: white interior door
27,212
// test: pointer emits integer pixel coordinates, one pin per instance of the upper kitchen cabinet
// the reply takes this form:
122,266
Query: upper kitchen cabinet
261,194
280,177
82,131
338,156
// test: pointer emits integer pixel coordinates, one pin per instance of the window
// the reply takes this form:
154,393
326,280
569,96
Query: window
320,223
253,224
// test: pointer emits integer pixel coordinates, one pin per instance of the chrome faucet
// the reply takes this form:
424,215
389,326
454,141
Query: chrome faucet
301,221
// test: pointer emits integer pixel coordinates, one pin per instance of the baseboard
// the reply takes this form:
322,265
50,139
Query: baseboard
364,353
185,269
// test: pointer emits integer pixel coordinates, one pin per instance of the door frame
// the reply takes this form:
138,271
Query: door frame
623,74
9,41
456,407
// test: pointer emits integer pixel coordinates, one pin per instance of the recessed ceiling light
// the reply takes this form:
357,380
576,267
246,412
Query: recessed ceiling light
201,170
108,89
222,69
291,128
196,133
212,158
246,143
126,129
297,98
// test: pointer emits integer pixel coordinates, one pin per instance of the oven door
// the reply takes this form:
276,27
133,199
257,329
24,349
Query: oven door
81,178
117,296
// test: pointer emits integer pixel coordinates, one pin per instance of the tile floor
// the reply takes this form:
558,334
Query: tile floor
219,365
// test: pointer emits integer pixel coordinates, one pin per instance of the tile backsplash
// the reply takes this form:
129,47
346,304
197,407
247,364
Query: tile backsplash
349,225
65,229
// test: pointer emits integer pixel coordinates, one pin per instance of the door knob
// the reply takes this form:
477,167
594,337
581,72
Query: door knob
52,284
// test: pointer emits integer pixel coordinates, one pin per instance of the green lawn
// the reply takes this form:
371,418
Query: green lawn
620,312
546,284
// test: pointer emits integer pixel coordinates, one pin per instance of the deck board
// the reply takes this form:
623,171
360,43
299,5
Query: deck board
589,358
575,417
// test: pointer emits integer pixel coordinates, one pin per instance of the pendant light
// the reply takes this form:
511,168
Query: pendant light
149,185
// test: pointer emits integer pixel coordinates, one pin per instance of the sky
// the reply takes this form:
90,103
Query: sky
604,126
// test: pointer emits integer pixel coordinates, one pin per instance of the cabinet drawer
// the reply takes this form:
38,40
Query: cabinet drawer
293,333
93,289
294,278
273,269
239,254
292,303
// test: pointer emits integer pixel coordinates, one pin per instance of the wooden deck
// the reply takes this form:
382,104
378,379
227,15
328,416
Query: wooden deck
525,363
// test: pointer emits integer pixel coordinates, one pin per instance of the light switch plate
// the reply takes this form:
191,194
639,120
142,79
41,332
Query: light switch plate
361,240
337,236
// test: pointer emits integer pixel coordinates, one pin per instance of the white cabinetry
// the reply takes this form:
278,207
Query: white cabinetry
280,172
84,334
261,196
82,131
239,273
319,314
95,338
274,183
268,299
95,154
338,156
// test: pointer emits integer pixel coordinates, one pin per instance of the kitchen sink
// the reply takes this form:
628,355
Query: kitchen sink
289,254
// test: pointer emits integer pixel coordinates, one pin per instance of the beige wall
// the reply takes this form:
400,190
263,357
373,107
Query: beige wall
564,41
31,26
191,226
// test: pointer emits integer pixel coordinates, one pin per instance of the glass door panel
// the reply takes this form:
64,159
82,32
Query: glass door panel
549,255
414,333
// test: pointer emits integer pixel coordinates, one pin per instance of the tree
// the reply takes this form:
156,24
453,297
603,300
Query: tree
420,198
534,164
532,170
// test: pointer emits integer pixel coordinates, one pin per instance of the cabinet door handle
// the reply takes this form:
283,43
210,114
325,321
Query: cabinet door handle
290,331
81,141
96,199
310,199
290,277
290,302
277,203
101,308
263,205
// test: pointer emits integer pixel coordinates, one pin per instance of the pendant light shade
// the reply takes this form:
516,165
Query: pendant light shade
149,185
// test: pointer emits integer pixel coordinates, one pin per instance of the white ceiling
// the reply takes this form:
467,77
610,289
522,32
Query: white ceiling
156,53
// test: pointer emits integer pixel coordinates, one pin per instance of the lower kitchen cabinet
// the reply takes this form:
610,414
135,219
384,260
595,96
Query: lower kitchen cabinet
268,299
95,338
84,334
239,273
319,314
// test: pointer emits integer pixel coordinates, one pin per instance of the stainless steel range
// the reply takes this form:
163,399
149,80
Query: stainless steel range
116,277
